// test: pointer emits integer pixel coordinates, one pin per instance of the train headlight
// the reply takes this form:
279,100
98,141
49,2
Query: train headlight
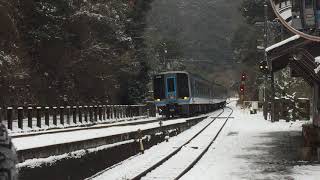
158,100
185,98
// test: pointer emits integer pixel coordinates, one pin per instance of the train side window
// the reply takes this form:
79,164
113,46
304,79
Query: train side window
158,87
183,85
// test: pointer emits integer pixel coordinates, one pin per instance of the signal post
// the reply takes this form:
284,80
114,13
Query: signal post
242,87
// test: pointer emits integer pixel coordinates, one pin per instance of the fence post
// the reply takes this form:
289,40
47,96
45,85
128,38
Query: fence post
46,116
38,114
68,114
54,114
80,113
111,111
91,113
95,113
62,115
29,114
100,112
121,111
1,114
116,111
104,112
108,112
85,110
20,117
9,117
74,114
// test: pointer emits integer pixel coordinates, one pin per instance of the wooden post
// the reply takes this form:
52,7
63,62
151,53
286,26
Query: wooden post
80,113
68,114
62,115
104,111
29,114
111,111
20,117
74,114
46,116
9,117
91,113
54,115
95,113
100,112
38,114
1,115
85,110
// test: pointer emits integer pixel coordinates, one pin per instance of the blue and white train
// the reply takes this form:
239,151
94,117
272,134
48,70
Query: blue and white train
182,93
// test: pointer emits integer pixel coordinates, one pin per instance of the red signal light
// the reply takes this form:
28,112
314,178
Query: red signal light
242,88
243,77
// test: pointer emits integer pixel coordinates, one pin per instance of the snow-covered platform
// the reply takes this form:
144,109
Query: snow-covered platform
248,148
61,142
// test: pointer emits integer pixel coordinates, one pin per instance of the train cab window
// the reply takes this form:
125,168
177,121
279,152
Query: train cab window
183,85
308,3
158,87
170,85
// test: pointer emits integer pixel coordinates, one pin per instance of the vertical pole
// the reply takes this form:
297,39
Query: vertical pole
62,115
108,112
68,114
29,114
85,110
54,115
46,116
265,103
95,113
104,111
1,114
80,113
74,114
91,113
38,114
9,117
100,112
20,117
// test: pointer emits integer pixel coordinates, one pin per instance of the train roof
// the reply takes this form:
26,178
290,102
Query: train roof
185,72
193,75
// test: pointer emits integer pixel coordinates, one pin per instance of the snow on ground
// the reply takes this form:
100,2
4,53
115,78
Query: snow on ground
188,153
43,140
135,165
252,148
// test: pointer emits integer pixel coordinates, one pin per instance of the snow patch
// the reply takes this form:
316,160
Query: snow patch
282,43
33,163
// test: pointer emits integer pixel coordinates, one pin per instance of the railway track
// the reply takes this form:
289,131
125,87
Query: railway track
180,161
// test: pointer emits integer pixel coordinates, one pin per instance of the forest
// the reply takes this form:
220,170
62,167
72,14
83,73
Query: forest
106,51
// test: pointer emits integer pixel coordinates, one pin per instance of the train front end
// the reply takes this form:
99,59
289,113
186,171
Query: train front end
171,92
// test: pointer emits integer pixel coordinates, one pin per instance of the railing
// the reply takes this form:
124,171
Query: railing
20,118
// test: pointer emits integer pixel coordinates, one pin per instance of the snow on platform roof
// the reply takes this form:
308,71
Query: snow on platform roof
295,37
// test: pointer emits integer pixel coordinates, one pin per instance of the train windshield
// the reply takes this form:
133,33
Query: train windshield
170,84
308,3
183,85
158,87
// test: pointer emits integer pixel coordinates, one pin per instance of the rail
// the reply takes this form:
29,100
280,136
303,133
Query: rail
159,163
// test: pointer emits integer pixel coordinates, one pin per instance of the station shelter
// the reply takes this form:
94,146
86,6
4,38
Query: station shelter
300,55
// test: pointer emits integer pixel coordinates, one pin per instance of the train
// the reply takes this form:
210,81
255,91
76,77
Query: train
305,14
180,93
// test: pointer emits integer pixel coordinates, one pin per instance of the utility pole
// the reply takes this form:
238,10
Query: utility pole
265,35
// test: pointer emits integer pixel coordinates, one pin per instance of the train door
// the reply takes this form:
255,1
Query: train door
171,87
296,17
317,14
308,14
